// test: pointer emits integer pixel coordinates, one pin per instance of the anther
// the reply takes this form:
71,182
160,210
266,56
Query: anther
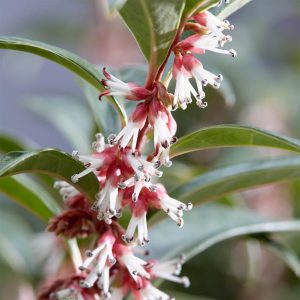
189,206
202,104
219,78
81,268
152,188
134,197
233,53
174,139
157,164
122,185
180,223
204,82
89,253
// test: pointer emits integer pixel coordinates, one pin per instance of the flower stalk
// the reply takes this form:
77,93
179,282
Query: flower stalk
113,268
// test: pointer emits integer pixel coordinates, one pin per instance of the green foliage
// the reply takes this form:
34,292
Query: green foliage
30,195
232,136
52,162
217,223
154,24
8,143
220,182
63,57
192,6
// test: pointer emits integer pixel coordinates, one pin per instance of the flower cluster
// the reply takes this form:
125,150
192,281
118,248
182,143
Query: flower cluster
114,267
208,36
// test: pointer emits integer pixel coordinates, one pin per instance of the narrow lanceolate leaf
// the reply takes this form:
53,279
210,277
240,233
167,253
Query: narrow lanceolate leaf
232,7
232,136
63,57
9,143
30,195
154,24
193,6
52,162
208,225
219,182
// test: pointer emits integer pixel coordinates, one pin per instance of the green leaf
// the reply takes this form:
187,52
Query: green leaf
232,7
220,182
73,121
30,195
208,225
154,24
193,6
232,136
9,143
65,58
52,162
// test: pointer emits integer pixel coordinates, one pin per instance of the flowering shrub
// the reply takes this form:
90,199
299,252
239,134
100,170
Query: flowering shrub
119,179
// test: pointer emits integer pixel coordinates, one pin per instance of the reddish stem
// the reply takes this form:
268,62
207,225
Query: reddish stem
176,40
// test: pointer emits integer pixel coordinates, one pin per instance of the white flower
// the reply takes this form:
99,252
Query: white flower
117,87
108,203
170,270
140,223
214,24
134,265
211,43
163,157
130,133
149,292
65,190
99,262
91,164
173,207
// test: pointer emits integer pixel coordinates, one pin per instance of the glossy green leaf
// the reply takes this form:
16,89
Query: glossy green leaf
52,162
193,6
208,225
232,7
30,195
63,57
154,24
9,143
73,121
232,136
219,182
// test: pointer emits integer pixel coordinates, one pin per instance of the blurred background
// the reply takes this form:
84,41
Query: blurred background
261,88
